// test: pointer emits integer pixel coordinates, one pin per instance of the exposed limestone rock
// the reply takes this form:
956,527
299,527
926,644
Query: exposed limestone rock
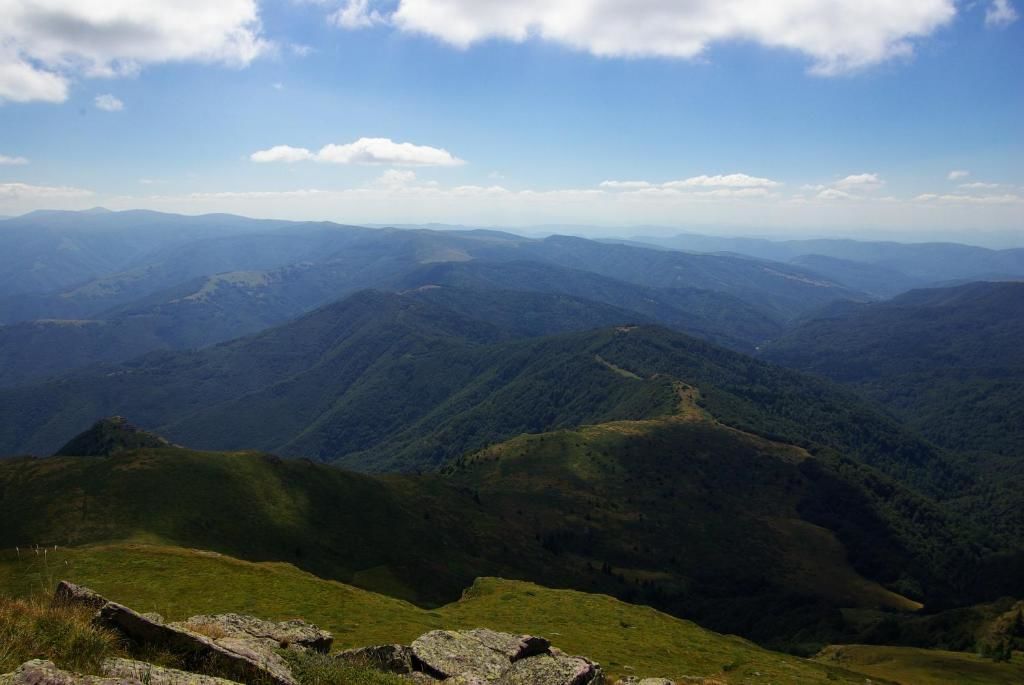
418,678
274,635
157,675
76,595
388,658
39,672
552,669
448,653
238,659
514,647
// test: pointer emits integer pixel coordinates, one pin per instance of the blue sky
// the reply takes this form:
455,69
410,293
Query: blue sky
850,116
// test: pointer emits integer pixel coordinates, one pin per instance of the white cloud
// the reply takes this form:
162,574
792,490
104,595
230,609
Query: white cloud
978,185
282,153
356,14
726,181
949,198
363,151
12,161
393,178
277,85
1000,14
860,182
721,185
45,44
957,174
835,194
838,35
108,103
25,191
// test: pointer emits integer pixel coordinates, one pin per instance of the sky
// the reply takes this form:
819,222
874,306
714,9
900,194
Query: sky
795,117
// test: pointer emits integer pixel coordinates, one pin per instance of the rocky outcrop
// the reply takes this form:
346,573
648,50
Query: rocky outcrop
553,669
234,658
388,658
245,649
157,675
479,657
69,594
280,635
39,672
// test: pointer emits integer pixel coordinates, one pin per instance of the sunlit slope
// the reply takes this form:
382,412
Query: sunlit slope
625,638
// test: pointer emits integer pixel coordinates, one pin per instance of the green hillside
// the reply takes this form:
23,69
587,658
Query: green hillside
382,381
656,511
947,361
626,639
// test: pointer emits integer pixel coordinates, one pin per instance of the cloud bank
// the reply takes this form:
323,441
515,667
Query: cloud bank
46,44
837,35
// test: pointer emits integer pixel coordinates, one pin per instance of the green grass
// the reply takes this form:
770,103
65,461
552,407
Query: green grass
911,666
625,638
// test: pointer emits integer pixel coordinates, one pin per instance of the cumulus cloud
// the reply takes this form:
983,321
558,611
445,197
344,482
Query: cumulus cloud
6,160
978,185
356,14
282,153
363,151
46,44
393,178
726,181
1000,14
108,103
835,194
957,174
838,36
860,182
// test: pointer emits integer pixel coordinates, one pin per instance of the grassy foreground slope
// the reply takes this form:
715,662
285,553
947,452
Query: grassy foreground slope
625,638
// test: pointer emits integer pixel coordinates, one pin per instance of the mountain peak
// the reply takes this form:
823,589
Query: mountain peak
110,436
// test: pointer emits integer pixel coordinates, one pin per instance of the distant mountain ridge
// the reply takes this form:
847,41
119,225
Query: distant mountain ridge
881,268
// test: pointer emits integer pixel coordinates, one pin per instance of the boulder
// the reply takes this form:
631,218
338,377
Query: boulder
39,672
238,659
284,634
69,594
157,675
515,647
388,658
553,669
448,653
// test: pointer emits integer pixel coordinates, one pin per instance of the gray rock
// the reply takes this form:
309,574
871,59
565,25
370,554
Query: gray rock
234,658
515,647
389,658
420,678
284,634
39,672
157,675
447,653
553,669
656,681
466,679
69,594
